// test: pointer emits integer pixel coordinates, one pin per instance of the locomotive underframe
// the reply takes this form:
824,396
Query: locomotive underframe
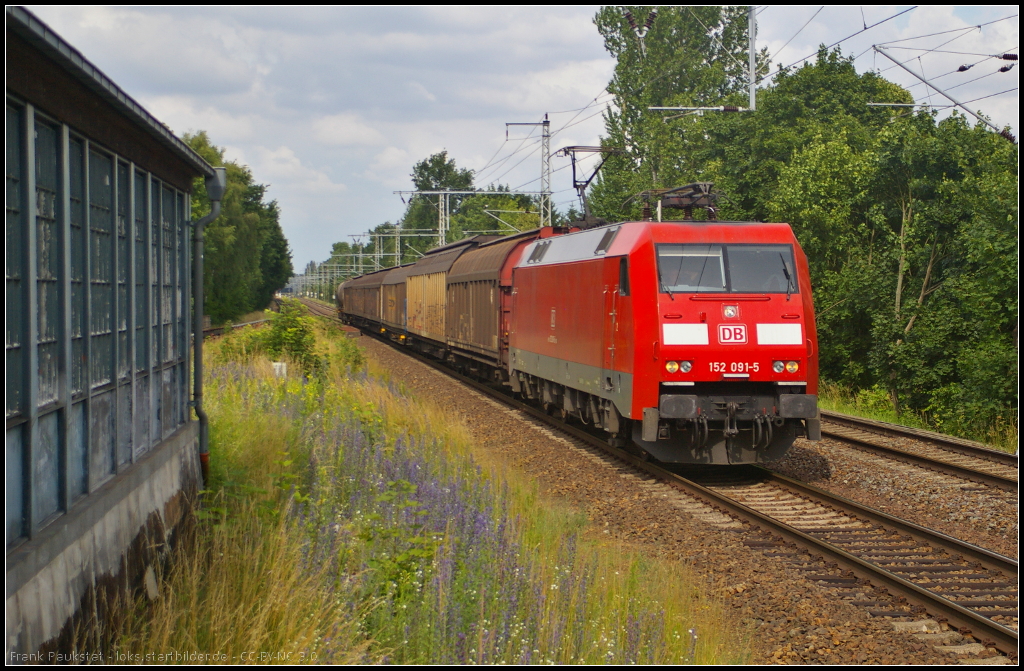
707,423
727,422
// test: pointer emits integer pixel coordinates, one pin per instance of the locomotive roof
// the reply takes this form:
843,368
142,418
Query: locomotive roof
621,238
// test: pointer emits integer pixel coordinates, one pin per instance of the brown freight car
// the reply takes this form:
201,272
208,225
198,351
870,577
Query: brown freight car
426,295
479,299
361,297
393,296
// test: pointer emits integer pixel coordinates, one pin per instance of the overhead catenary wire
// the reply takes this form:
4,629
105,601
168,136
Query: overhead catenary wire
873,25
927,51
783,47
944,32
971,81
1003,56
605,98
514,152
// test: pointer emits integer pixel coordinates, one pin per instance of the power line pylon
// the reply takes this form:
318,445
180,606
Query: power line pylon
545,166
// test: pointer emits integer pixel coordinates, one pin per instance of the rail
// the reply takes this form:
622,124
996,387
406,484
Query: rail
978,565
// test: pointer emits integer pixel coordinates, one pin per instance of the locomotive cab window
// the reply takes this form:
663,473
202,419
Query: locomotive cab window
743,269
624,276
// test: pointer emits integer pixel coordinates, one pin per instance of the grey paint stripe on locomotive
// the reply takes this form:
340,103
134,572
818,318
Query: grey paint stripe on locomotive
577,376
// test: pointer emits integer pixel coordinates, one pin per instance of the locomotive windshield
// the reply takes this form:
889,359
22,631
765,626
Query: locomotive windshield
739,269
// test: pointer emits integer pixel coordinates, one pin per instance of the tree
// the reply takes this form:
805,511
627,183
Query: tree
692,56
435,173
246,256
744,154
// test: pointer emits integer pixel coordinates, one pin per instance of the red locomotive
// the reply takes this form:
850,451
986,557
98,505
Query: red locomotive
692,340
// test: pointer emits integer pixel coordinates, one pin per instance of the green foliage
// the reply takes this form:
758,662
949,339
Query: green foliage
694,56
292,333
246,256
400,549
909,224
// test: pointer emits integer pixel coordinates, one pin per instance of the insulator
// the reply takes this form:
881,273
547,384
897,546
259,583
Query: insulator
650,19
1007,68
965,68
1009,57
629,17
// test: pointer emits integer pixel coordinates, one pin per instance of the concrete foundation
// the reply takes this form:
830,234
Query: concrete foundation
104,544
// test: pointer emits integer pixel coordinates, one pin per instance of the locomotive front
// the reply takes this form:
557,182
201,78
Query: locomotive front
730,376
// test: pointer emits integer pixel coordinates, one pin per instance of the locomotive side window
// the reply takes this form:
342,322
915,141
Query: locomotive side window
624,276
744,269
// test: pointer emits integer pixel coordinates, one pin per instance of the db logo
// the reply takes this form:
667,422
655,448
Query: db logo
732,334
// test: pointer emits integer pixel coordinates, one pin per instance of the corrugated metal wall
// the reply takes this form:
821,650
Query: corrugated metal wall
474,313
364,301
97,330
393,304
426,298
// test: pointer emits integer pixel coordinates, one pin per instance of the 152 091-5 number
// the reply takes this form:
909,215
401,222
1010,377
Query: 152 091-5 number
733,367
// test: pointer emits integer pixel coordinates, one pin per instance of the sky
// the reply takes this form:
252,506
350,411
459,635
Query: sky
331,107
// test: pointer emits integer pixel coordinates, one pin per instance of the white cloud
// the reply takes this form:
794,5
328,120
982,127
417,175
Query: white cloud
421,90
283,167
390,167
333,106
345,130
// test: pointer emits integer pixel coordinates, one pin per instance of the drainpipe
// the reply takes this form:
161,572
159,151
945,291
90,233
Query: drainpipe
215,187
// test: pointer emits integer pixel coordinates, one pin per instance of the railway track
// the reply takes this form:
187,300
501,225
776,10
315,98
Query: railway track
945,454
970,588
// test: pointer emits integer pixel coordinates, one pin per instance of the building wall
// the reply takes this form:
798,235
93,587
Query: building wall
77,565
101,460
97,327
98,339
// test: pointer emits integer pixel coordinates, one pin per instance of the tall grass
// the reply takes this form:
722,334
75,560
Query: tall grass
875,404
348,522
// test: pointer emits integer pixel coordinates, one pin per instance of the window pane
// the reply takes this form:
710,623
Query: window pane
77,452
123,248
76,161
45,468
15,484
760,269
48,260
101,439
101,280
691,268
14,271
755,269
141,274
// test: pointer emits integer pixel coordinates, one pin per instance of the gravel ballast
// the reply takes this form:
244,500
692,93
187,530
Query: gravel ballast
978,514
791,617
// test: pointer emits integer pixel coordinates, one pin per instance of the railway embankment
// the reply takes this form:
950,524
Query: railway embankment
350,519
790,604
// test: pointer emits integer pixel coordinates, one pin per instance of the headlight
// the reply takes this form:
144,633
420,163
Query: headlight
792,366
730,311
672,366
686,366
778,366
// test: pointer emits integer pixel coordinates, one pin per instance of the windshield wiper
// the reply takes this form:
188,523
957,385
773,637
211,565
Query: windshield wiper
789,278
665,288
